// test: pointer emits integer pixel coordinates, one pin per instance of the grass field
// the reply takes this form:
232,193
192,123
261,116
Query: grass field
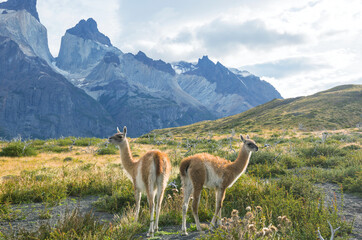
336,108
279,185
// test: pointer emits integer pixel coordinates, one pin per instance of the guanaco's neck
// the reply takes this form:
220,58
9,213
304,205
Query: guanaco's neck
126,156
241,162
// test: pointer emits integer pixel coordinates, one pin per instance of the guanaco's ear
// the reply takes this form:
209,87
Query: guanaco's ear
125,130
241,137
247,137
118,130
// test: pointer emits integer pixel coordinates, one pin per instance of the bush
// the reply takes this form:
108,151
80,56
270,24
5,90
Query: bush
298,186
120,199
109,149
351,147
262,157
18,149
321,150
266,170
55,148
64,142
353,184
68,159
84,142
290,162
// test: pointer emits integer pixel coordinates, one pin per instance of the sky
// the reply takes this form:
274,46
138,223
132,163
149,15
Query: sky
299,46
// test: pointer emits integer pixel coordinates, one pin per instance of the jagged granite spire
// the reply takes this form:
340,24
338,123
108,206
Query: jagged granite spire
28,5
89,30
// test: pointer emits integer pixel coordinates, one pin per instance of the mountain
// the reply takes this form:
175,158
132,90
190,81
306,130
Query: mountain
29,6
159,64
225,92
36,102
82,47
136,90
19,23
339,107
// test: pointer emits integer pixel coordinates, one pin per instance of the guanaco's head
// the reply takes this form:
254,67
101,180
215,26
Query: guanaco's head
119,137
249,144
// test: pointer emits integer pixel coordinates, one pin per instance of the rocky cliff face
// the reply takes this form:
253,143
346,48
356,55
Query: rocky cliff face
17,5
36,102
82,47
22,27
159,64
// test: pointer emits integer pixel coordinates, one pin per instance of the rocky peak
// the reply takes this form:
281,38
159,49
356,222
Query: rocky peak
157,64
205,62
226,81
89,30
28,5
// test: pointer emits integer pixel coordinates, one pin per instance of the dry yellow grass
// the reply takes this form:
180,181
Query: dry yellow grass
15,165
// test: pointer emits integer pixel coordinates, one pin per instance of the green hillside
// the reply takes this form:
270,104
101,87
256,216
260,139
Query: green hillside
339,107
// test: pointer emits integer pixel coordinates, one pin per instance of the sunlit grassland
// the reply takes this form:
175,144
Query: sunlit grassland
280,178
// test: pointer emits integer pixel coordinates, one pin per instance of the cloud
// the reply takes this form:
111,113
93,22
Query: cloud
222,35
286,67
303,85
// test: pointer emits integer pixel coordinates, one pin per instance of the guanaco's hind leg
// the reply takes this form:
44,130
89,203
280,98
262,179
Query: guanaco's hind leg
161,186
220,195
198,176
187,186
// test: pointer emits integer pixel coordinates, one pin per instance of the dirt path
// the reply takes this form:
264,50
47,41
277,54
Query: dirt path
352,207
31,216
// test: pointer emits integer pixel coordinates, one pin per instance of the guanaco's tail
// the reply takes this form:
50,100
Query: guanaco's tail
184,166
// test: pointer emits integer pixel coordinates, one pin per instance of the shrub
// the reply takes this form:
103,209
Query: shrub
266,170
353,184
84,142
321,150
351,147
262,157
55,148
18,149
120,199
68,159
290,162
105,150
300,187
64,141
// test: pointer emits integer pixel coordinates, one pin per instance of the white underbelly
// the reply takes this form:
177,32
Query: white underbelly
139,181
213,180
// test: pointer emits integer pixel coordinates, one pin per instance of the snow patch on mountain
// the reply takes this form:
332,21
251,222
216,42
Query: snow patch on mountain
183,67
